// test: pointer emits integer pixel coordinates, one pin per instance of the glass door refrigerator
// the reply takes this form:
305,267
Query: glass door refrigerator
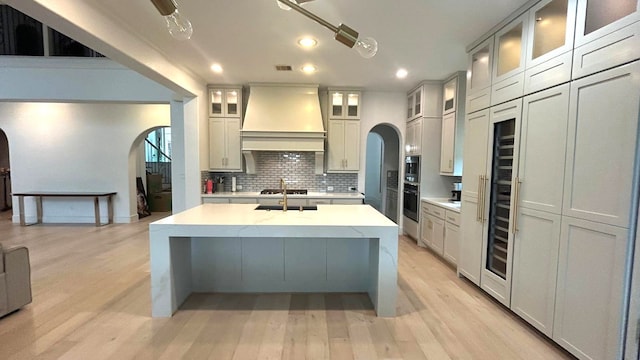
504,135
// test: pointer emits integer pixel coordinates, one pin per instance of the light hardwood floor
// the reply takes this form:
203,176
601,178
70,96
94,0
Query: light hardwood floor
91,300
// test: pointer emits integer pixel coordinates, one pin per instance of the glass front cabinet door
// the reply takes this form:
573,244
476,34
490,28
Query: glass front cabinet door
607,35
225,102
479,76
508,61
344,104
549,55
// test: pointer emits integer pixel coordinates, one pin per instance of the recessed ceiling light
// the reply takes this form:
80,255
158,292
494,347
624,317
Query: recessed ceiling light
216,68
307,42
309,69
401,73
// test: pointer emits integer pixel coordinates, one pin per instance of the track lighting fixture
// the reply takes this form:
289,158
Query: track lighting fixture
367,47
179,26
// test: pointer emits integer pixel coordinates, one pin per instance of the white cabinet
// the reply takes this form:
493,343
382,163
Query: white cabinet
215,200
476,127
447,146
451,237
589,292
607,34
344,104
535,265
543,144
414,104
413,141
440,230
508,61
601,145
343,142
425,100
479,76
471,230
451,145
550,44
224,144
225,101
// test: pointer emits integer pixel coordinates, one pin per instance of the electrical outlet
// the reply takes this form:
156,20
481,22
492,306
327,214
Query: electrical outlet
329,188
239,187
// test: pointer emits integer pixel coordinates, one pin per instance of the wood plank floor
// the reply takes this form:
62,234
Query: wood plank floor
91,300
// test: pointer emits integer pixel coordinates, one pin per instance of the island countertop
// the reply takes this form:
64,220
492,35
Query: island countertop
234,248
243,215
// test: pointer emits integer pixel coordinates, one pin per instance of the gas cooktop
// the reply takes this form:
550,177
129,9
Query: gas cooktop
279,191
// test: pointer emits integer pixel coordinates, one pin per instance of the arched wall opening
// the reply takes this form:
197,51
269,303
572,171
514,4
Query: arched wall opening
382,169
5,173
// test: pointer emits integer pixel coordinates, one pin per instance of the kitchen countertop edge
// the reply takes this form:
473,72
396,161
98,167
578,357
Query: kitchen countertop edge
443,202
256,194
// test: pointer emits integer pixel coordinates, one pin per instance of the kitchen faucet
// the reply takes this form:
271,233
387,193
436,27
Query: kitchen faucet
283,202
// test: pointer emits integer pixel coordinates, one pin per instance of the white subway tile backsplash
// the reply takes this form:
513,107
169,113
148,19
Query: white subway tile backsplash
296,168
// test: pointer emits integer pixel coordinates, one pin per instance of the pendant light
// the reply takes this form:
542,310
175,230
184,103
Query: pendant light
367,47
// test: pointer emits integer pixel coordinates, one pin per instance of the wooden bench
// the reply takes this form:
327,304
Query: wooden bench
39,195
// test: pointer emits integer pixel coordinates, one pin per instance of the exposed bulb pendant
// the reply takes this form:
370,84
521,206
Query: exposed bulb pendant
179,26
367,47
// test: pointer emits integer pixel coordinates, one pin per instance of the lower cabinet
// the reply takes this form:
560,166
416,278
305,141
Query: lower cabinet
471,225
535,265
291,201
440,231
589,295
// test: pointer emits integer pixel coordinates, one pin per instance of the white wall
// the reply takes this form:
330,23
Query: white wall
380,107
77,147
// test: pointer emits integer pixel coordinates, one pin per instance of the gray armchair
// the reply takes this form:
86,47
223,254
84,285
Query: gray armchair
15,279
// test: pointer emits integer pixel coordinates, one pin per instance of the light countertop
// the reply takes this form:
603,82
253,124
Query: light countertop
243,217
443,202
256,194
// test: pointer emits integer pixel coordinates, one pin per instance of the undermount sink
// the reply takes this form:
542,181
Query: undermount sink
289,208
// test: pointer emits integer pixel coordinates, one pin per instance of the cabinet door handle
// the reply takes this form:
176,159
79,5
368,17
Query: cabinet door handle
478,218
516,200
484,190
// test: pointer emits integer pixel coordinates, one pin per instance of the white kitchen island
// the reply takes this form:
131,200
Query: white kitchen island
234,248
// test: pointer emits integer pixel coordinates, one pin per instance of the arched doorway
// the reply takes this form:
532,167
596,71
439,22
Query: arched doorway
381,170
5,173
151,155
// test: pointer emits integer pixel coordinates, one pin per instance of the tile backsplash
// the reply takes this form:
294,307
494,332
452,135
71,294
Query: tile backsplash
297,168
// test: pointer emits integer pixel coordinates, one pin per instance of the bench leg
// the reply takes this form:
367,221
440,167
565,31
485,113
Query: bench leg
96,205
110,208
39,209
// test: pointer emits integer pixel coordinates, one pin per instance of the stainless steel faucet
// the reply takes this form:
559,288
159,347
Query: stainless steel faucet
283,202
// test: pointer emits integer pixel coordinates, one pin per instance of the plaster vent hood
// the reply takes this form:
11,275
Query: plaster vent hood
283,117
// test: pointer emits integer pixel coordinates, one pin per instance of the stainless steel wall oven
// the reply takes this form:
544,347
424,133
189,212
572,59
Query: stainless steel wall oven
411,201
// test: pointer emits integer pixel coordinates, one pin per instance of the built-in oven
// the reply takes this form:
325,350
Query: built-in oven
411,201
412,169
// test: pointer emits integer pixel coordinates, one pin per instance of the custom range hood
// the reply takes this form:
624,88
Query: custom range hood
283,117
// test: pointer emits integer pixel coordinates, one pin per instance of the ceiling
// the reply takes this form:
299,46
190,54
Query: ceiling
249,37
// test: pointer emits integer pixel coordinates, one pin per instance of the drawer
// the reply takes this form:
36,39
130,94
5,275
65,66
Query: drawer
452,217
433,210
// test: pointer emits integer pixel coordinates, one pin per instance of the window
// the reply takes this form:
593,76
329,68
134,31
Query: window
158,145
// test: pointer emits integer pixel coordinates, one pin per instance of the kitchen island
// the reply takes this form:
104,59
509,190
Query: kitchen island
234,248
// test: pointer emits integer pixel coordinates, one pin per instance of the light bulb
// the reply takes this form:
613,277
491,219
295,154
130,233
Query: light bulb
179,26
367,47
283,6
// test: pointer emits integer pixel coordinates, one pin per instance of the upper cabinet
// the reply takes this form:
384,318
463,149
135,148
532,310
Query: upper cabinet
479,76
452,125
508,61
225,102
344,104
343,142
550,44
425,100
606,35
